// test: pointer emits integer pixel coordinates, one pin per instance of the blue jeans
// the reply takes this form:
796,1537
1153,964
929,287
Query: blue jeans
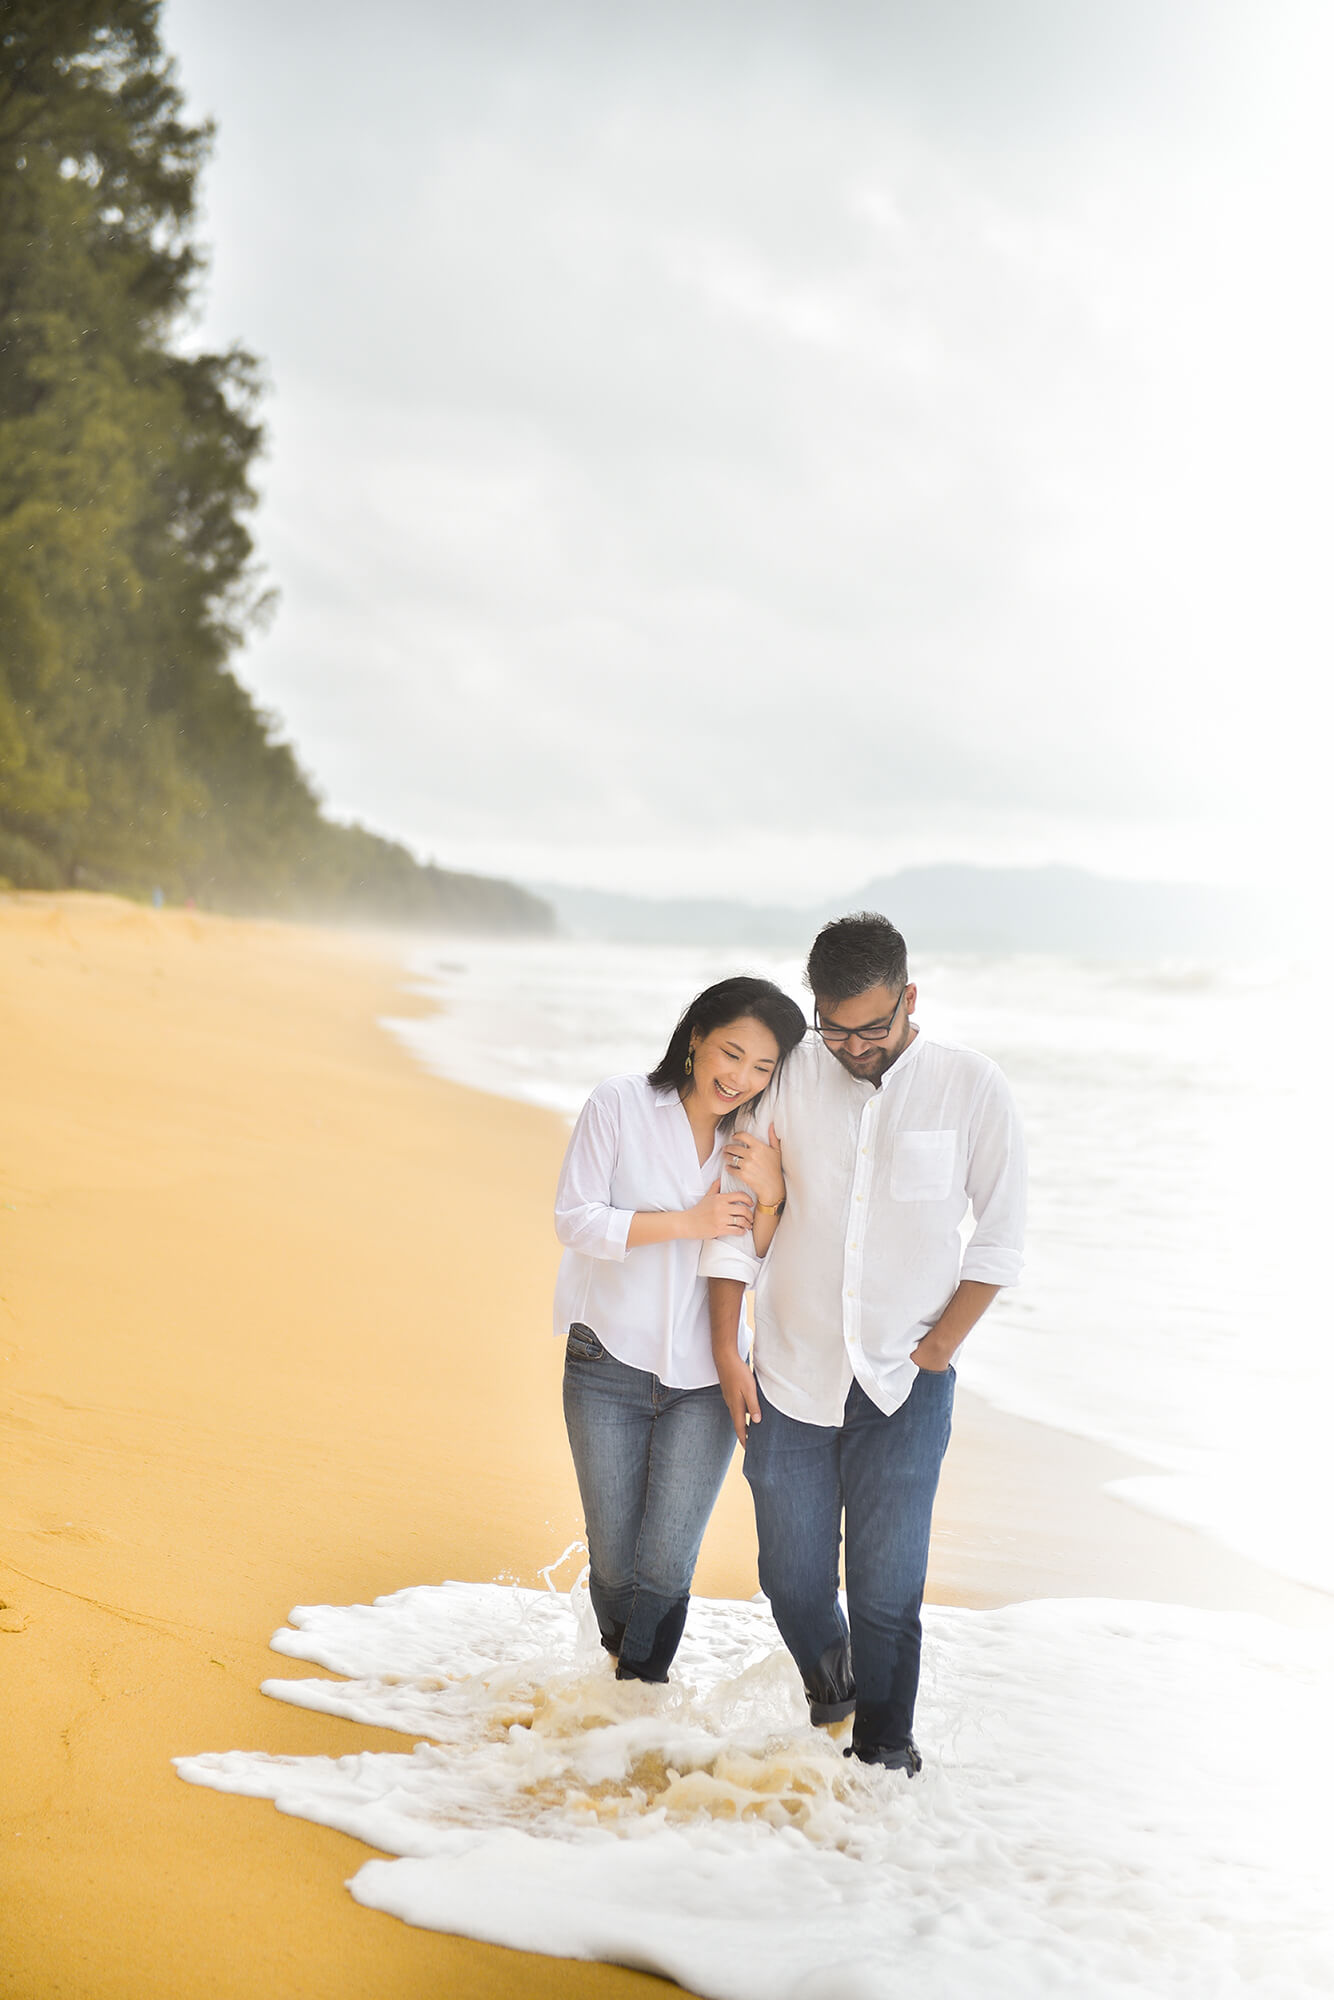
880,1474
650,1462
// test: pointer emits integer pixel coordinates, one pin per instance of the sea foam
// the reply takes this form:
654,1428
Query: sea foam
1119,1799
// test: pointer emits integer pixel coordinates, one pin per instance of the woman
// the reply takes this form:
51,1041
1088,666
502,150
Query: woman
638,1193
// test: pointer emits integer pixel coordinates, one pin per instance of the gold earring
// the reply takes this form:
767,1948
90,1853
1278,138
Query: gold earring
690,1061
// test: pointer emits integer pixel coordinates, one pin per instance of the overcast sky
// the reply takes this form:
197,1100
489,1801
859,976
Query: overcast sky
743,448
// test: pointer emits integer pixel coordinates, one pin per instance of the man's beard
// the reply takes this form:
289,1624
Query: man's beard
872,1071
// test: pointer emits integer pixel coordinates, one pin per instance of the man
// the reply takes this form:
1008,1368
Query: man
886,1138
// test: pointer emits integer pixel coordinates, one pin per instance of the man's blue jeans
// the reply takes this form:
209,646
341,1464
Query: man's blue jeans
650,1462
881,1474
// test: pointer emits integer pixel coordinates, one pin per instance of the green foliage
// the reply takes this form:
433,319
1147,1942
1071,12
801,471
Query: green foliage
129,755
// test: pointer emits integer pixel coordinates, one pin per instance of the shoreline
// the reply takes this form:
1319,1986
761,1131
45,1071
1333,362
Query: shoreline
273,1330
1023,1510
1210,1567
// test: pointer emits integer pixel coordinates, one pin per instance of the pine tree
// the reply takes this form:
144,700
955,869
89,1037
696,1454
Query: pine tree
129,753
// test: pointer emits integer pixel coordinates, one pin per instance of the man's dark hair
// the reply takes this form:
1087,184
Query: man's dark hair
855,952
742,998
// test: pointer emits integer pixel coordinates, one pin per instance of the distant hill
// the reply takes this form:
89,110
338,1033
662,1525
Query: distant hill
349,874
957,908
1065,910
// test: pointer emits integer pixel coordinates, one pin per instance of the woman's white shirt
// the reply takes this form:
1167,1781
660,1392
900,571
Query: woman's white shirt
632,1148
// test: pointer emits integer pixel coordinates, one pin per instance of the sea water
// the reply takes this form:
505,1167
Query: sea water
1171,1304
1120,1799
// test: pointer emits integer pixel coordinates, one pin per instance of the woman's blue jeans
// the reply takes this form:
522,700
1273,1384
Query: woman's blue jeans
650,1462
879,1475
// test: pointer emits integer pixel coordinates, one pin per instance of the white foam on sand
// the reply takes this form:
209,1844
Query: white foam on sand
1119,1800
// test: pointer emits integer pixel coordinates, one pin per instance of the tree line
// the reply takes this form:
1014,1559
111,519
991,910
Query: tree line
131,758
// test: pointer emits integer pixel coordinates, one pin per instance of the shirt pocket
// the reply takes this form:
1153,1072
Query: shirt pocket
921,1166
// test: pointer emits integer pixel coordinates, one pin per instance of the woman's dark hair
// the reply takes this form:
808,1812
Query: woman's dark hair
742,998
853,953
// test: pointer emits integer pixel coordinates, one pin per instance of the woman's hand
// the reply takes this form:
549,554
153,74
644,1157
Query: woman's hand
758,1165
720,1214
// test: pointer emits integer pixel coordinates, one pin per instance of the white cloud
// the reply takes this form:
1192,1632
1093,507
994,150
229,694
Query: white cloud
883,428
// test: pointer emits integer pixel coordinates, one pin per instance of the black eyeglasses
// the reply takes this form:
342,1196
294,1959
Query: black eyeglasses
875,1032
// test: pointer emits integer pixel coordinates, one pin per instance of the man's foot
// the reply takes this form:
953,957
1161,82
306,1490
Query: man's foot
900,1757
837,1732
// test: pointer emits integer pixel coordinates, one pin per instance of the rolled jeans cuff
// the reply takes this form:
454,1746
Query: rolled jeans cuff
825,1712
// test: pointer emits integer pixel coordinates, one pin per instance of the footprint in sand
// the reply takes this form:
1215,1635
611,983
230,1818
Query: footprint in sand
11,1618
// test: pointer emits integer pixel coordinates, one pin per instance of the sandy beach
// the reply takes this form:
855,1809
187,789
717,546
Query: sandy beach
274,1311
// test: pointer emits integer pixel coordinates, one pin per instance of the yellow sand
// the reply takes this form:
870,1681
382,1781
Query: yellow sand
273,1330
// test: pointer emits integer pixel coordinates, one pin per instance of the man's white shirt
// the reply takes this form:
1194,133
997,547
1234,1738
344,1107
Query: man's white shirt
869,1250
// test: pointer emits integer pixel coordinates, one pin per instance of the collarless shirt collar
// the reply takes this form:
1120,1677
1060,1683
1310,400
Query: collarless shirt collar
898,1068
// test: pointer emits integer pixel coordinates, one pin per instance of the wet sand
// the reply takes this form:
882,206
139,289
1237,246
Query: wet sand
274,1330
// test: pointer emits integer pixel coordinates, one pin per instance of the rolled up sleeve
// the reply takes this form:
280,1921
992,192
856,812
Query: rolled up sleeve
586,1218
730,1257
997,1184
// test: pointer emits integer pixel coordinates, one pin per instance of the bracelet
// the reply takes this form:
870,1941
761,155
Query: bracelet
768,1208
